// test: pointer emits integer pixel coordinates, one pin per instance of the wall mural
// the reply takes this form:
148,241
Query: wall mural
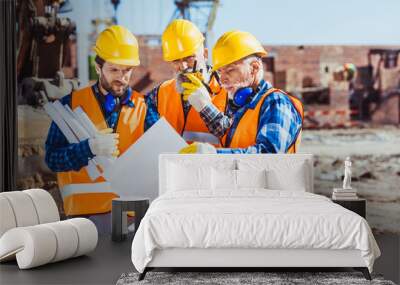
351,96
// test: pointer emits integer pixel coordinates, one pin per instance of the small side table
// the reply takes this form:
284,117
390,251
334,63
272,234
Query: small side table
120,207
357,206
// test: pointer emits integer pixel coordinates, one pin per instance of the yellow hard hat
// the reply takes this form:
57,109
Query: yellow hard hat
118,45
235,45
180,39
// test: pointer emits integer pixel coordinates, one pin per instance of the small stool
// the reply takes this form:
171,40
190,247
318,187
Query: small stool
120,207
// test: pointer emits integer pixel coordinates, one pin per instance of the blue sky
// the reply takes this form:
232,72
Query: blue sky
290,22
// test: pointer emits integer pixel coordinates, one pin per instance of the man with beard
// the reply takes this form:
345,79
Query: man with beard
183,48
259,118
118,113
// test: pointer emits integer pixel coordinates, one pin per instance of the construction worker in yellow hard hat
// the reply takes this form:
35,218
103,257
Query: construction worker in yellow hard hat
183,47
115,109
259,118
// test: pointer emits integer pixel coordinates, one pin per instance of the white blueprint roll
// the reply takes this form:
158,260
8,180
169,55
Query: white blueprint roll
34,245
67,239
45,205
7,218
87,235
23,208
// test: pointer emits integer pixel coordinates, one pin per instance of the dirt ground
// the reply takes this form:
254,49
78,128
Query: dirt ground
375,153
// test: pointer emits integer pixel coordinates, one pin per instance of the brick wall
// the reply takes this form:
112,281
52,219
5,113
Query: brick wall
295,67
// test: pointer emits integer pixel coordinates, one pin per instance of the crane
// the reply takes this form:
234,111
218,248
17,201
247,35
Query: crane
201,12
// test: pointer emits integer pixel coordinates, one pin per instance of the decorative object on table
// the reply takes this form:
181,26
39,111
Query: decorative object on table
346,192
347,174
31,231
120,208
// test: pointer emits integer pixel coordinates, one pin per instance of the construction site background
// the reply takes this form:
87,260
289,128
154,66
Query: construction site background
305,71
367,129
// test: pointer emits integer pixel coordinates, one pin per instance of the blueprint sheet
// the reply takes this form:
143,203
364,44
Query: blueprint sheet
135,173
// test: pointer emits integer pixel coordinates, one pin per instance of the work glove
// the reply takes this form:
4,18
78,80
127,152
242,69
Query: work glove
195,92
105,143
197,147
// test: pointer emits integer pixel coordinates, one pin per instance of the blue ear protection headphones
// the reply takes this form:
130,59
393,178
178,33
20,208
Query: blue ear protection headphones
242,96
112,101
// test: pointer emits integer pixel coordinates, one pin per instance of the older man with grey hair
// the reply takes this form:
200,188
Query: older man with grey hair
258,118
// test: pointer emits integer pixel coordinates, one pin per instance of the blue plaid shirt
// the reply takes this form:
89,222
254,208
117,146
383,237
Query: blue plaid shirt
278,126
64,156
152,115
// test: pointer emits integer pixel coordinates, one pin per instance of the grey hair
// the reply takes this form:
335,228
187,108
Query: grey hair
254,57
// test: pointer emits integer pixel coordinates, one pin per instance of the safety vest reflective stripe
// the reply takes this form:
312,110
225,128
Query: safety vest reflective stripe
71,189
298,105
200,137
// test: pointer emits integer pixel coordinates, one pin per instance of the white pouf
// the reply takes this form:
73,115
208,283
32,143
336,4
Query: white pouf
31,233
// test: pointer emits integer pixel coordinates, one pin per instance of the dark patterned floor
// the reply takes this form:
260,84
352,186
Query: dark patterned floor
230,278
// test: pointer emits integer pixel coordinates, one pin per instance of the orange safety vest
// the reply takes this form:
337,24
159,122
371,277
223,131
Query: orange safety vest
246,131
80,194
192,128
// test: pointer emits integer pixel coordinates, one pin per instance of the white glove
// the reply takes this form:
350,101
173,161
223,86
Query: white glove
198,147
105,143
196,93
